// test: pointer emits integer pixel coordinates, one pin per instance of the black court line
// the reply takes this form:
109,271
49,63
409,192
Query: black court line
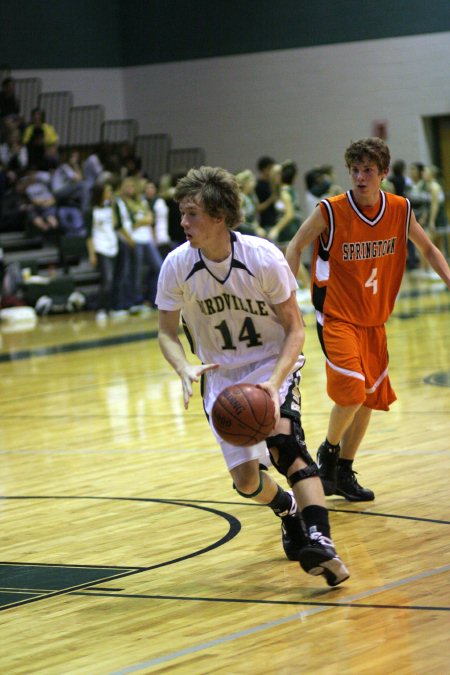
78,346
294,603
362,513
234,527
91,587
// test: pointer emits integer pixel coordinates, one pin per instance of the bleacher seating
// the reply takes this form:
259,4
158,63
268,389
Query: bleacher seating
83,128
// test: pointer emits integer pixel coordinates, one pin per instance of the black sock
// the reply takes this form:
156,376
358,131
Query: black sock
317,516
281,504
345,464
335,448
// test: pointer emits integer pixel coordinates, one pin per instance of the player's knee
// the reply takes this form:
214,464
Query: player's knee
290,448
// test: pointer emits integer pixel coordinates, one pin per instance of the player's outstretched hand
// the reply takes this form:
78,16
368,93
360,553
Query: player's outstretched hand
273,392
192,374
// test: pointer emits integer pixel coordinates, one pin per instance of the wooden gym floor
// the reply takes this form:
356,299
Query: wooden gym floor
125,549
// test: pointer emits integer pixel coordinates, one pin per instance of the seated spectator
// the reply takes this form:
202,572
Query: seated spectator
68,184
249,204
42,204
37,154
95,167
130,163
103,245
38,121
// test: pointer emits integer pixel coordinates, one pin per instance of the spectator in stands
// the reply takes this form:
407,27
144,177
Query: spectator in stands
266,192
314,189
249,203
94,167
401,186
68,184
42,204
176,232
103,245
9,104
289,220
37,155
329,179
146,259
123,283
418,194
289,217
13,156
398,178
160,212
420,199
10,117
437,225
38,121
130,163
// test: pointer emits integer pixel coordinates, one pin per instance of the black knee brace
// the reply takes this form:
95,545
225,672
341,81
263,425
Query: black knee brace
290,447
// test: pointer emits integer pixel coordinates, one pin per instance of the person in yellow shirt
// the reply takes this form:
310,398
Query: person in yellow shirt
38,121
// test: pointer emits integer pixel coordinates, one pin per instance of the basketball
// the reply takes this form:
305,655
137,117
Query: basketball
243,414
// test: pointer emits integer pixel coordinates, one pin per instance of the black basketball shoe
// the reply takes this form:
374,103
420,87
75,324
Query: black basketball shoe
327,459
293,531
319,557
293,536
348,487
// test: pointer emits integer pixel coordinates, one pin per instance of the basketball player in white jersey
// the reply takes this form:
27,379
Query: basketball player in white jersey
236,298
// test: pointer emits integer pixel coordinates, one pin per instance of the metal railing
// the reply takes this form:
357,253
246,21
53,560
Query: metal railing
27,93
85,125
56,105
153,151
119,131
183,159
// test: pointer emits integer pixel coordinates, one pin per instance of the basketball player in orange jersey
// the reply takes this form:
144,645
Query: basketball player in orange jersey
236,297
358,263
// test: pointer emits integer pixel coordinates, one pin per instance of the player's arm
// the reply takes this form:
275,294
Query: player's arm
429,251
173,352
308,232
290,318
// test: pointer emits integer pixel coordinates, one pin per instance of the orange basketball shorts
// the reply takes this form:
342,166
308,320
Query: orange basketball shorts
356,364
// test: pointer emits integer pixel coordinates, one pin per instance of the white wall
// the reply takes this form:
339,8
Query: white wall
303,104
89,86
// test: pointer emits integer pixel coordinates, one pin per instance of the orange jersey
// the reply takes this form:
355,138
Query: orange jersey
359,260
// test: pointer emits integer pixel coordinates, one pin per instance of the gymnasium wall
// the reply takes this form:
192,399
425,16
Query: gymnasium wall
304,104
244,78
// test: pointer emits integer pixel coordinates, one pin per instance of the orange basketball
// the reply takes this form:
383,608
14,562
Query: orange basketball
243,414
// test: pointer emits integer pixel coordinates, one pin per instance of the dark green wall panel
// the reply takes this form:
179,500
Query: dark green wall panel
179,29
98,33
60,34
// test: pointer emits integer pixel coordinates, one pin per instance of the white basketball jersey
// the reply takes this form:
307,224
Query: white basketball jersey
227,307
